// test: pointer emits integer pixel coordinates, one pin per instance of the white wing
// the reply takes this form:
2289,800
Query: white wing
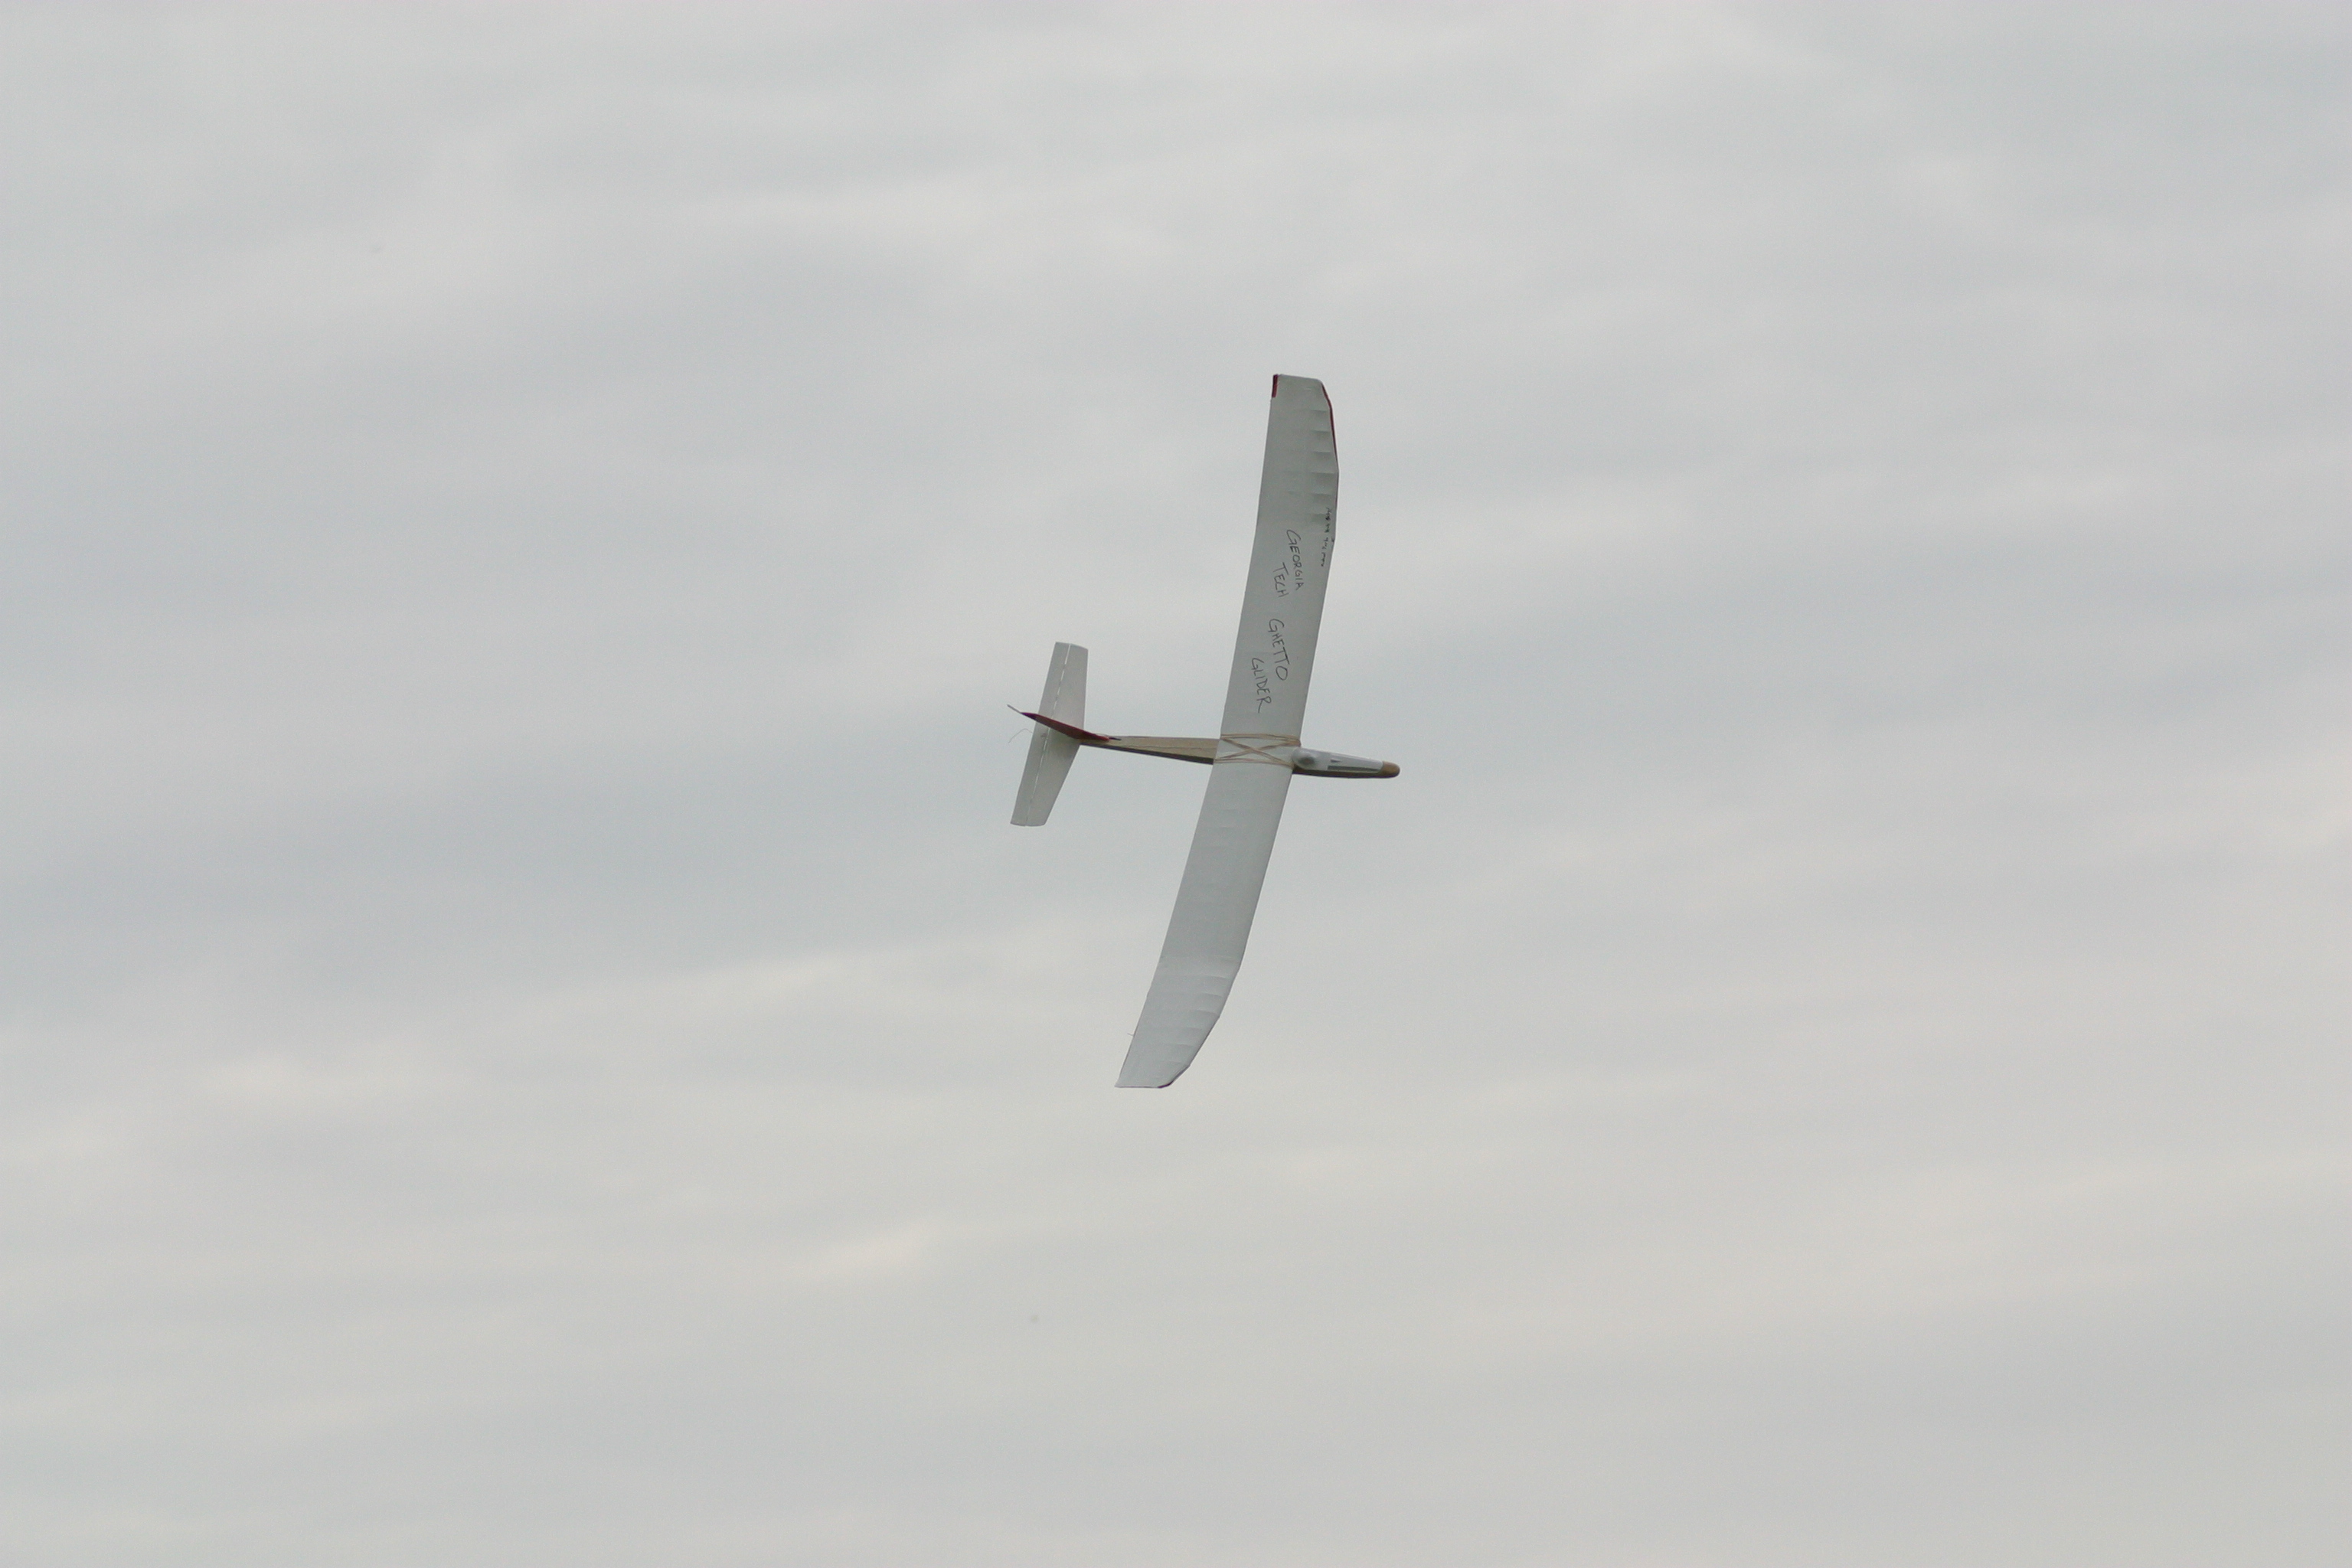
1282,608
1211,922
1273,655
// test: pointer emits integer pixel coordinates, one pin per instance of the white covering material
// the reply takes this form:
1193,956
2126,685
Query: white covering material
1274,654
1051,752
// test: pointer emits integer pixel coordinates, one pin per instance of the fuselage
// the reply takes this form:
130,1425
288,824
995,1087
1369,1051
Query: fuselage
1281,749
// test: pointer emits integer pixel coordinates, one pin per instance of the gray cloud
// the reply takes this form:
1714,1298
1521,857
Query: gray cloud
527,1037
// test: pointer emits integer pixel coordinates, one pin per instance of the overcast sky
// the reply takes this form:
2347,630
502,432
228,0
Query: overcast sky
529,1041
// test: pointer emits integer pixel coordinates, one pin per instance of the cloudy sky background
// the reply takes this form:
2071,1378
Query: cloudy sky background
528,1039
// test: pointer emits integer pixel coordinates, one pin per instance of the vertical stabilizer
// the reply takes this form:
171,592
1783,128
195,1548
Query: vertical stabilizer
1050,751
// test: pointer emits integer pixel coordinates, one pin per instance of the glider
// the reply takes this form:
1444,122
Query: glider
1252,758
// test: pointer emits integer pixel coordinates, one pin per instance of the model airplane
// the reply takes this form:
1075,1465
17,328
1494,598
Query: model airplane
1253,759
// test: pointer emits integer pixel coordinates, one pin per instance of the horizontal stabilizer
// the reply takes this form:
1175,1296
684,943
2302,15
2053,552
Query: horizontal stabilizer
1051,750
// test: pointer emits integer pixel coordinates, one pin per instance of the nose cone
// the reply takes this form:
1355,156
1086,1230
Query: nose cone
1334,766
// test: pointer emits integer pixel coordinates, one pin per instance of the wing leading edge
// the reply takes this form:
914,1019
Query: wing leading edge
1265,698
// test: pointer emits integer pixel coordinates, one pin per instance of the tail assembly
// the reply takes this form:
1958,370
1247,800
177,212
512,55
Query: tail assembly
1051,750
